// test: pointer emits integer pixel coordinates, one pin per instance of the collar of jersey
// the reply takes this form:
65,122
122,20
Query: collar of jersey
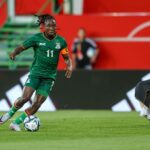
47,38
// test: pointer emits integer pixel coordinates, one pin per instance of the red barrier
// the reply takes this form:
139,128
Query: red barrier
3,11
124,41
116,6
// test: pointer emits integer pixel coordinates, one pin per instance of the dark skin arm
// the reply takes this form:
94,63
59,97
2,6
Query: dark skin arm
16,52
68,62
74,60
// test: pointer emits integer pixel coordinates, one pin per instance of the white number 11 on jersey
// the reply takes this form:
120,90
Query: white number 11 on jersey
50,53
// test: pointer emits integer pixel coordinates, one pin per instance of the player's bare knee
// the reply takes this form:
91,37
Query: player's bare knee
26,98
19,102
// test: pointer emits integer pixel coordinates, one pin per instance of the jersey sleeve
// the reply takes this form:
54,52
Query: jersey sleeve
30,42
64,49
91,43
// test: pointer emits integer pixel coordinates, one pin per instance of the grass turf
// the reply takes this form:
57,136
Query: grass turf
81,130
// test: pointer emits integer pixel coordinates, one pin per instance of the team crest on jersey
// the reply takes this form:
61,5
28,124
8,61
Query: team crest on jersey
58,46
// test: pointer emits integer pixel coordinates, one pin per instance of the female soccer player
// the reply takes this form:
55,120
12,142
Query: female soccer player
142,93
47,46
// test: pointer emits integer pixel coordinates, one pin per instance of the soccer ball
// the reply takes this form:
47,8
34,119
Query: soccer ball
32,123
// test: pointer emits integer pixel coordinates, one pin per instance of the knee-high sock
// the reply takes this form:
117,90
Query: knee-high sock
12,111
21,118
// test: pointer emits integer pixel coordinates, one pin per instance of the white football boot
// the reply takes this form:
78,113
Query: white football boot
14,127
143,112
148,115
4,118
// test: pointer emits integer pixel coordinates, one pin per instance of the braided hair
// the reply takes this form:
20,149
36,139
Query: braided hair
43,18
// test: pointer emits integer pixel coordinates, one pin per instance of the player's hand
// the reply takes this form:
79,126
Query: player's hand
68,72
93,60
12,56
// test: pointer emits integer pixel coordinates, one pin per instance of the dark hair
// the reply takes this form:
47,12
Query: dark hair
43,18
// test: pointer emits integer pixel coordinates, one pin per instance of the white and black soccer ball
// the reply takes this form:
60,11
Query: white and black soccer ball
32,123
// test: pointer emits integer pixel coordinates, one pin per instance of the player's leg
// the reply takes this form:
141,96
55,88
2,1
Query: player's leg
26,96
42,92
19,102
31,83
142,94
147,104
144,110
39,99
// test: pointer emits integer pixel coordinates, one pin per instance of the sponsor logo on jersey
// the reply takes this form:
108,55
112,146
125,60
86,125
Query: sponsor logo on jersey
42,44
58,46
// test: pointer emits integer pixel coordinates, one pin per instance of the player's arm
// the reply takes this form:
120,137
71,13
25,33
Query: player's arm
68,62
93,59
74,60
30,42
16,52
75,48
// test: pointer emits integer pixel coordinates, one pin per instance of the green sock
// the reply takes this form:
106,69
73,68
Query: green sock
21,118
12,111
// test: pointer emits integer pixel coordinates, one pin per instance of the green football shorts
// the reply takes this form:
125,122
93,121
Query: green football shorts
43,86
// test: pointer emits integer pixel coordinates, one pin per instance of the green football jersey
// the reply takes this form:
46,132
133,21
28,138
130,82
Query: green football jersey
46,54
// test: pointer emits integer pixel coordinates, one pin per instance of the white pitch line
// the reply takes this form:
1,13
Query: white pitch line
122,39
138,29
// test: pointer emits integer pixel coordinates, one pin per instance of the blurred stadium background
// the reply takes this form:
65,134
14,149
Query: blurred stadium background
121,30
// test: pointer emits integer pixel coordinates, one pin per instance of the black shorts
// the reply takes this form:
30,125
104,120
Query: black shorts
142,92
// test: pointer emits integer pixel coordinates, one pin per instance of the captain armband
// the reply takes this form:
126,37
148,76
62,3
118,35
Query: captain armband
64,51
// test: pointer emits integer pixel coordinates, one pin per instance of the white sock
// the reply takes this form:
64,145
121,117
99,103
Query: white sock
5,117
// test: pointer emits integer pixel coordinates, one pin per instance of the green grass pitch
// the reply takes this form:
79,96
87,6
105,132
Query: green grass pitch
81,130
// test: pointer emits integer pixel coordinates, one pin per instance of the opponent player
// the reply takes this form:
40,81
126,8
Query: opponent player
142,93
47,46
